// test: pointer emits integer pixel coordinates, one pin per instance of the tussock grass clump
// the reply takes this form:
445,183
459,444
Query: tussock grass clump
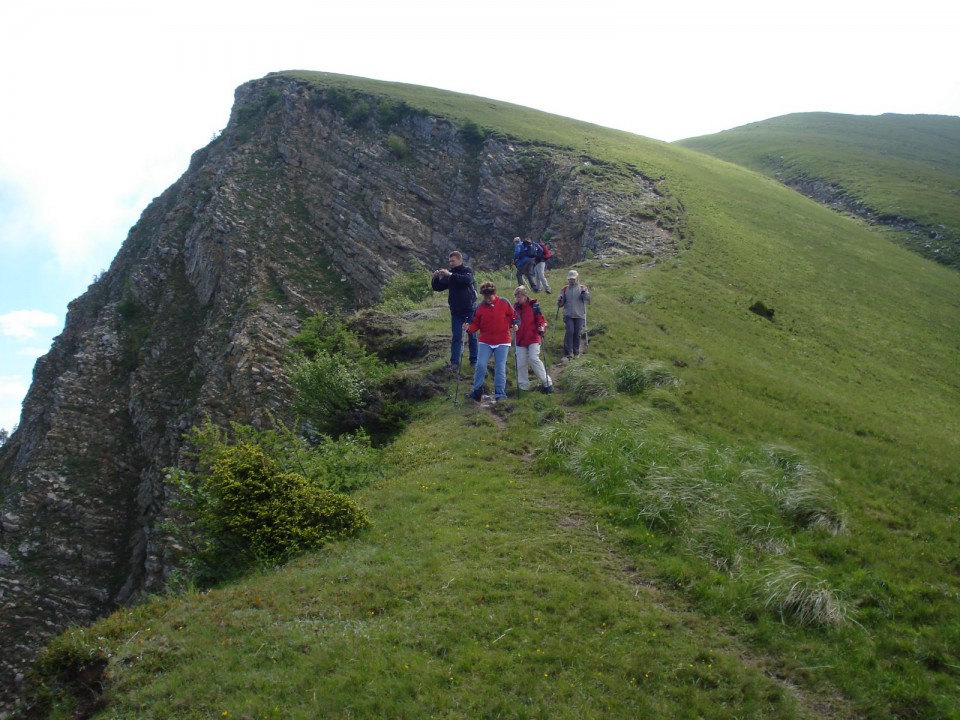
630,378
803,495
635,376
798,595
658,374
733,508
586,380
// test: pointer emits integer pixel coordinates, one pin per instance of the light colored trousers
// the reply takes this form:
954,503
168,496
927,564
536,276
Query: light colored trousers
541,272
530,356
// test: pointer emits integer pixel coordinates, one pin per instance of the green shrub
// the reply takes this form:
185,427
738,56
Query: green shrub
406,290
323,332
398,147
390,112
343,463
333,375
473,135
247,510
359,113
329,389
276,514
260,495
68,677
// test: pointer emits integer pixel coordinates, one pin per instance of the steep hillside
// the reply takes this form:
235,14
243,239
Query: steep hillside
900,172
316,193
773,536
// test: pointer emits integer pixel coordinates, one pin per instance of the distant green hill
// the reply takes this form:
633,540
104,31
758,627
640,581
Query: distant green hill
899,171
741,502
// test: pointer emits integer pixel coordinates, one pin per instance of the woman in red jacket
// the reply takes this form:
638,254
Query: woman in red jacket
494,319
529,337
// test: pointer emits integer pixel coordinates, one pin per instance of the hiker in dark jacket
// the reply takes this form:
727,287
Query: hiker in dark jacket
573,299
461,296
524,259
529,338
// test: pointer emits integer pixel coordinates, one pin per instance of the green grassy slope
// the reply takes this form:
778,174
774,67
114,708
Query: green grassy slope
904,167
499,580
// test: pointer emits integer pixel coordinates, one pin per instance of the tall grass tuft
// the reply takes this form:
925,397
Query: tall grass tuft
798,595
630,378
732,508
586,380
636,376
658,374
803,495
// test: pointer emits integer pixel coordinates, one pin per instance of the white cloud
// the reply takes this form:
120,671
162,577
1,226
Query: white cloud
12,386
25,323
12,390
32,352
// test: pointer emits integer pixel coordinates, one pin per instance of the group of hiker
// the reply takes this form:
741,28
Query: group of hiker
530,259
494,324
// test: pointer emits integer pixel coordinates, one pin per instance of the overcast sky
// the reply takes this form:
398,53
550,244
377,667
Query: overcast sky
103,101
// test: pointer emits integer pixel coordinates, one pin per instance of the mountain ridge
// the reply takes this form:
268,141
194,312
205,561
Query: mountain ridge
677,248
300,205
898,172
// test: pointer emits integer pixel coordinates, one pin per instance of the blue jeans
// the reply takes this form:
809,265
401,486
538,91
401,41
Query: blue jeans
456,343
500,354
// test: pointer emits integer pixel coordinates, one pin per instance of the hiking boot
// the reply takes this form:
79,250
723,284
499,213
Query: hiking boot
549,291
475,395
546,389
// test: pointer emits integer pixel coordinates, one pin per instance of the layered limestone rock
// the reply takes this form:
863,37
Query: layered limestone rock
305,201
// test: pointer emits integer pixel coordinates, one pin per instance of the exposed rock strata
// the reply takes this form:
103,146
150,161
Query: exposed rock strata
296,206
934,242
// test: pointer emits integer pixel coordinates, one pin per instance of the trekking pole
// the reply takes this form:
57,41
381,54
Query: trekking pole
463,342
516,364
586,332
543,346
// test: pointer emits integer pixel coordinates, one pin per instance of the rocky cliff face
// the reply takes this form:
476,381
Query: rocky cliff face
310,198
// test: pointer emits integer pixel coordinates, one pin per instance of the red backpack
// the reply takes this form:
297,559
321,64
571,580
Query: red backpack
546,250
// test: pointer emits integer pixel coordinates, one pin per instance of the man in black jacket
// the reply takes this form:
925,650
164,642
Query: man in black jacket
458,281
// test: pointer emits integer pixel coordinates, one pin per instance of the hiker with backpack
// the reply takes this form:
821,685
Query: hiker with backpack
530,334
573,299
524,259
540,266
462,295
495,321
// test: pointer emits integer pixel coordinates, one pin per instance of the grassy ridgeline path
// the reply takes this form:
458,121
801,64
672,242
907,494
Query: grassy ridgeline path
483,590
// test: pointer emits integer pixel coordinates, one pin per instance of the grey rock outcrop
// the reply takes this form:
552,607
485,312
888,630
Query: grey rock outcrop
302,203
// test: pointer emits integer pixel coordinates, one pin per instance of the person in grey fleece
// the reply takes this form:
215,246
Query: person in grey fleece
573,299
